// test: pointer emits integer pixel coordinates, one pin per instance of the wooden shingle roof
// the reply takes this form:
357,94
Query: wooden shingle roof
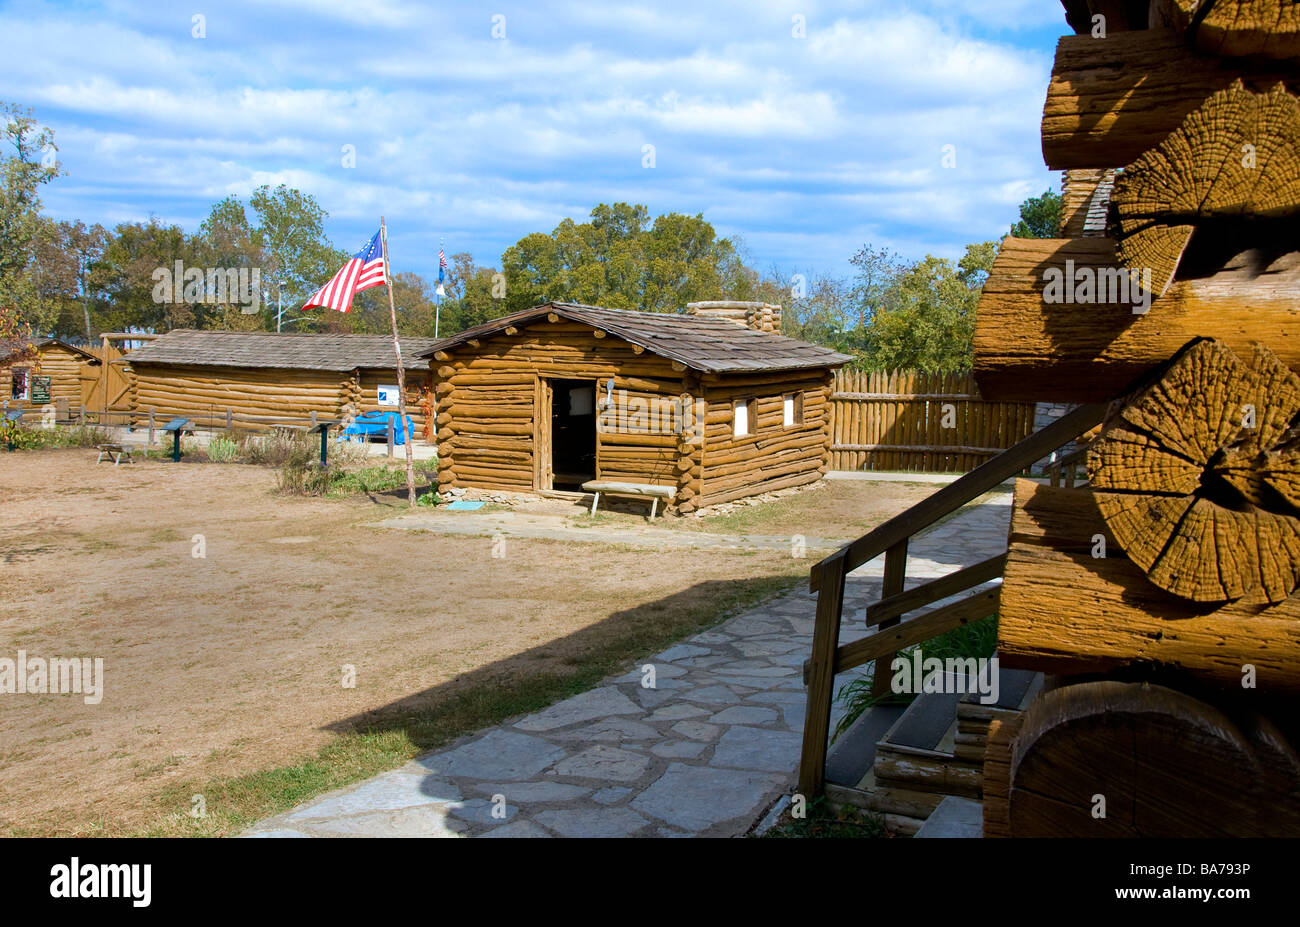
296,351
8,350
708,345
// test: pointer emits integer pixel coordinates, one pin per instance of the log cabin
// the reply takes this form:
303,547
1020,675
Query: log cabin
22,383
562,394
257,379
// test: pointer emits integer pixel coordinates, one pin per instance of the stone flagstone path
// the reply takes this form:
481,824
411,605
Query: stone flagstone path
706,752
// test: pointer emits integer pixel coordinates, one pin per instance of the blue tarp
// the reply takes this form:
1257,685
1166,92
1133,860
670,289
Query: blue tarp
376,423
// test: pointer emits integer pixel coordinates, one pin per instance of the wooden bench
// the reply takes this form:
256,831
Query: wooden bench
117,452
653,491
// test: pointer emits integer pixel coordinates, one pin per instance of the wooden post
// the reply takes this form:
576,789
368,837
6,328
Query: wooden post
151,427
313,418
895,574
401,374
821,674
390,437
230,418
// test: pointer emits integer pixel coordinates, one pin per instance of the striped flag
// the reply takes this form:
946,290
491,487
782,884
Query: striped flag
442,270
364,270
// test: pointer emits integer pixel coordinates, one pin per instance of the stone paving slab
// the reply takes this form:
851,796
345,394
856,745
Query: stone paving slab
707,752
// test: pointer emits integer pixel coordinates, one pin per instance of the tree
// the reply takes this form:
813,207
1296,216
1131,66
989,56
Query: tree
291,234
877,272
21,177
226,241
67,276
1040,216
928,319
620,260
139,256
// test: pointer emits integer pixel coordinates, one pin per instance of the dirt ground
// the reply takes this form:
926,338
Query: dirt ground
233,662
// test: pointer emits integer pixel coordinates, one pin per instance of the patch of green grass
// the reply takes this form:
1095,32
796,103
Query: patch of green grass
381,478
235,803
822,820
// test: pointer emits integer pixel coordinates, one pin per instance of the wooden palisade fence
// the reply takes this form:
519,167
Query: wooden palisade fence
914,421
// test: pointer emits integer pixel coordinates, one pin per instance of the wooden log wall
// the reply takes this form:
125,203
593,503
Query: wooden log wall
205,393
895,421
1065,610
63,367
1027,348
772,456
369,381
1111,100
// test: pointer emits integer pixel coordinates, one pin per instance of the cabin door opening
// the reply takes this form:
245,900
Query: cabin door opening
572,453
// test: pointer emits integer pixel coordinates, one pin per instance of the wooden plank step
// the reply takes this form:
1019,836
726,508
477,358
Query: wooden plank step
1013,687
853,753
926,721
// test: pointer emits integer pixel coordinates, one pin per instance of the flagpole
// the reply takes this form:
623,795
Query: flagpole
437,297
401,375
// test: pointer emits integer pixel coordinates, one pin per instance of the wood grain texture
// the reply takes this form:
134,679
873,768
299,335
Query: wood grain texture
1163,763
1065,611
1180,476
1236,155
1233,28
1029,349
1110,100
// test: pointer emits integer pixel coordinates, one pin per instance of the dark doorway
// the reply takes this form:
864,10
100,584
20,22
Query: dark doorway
573,433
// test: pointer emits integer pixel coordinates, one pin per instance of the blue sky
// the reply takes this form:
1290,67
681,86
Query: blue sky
804,147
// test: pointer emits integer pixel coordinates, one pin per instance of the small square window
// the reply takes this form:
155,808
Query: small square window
741,417
792,407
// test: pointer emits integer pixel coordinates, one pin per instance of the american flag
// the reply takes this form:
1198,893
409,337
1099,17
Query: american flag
442,269
364,270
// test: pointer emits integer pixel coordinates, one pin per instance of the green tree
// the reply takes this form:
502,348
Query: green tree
877,273
21,177
140,290
928,318
621,260
299,258
1040,216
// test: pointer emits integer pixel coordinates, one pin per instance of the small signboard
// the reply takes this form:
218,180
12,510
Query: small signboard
388,396
40,390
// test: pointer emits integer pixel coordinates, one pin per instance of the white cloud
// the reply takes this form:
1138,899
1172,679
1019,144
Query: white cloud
803,146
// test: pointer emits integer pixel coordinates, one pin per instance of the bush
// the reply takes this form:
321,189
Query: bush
222,449
26,438
300,472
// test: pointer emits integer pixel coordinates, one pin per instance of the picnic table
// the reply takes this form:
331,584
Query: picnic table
118,453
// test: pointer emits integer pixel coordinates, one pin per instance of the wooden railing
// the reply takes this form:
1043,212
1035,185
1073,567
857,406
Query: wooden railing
1066,467
828,580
